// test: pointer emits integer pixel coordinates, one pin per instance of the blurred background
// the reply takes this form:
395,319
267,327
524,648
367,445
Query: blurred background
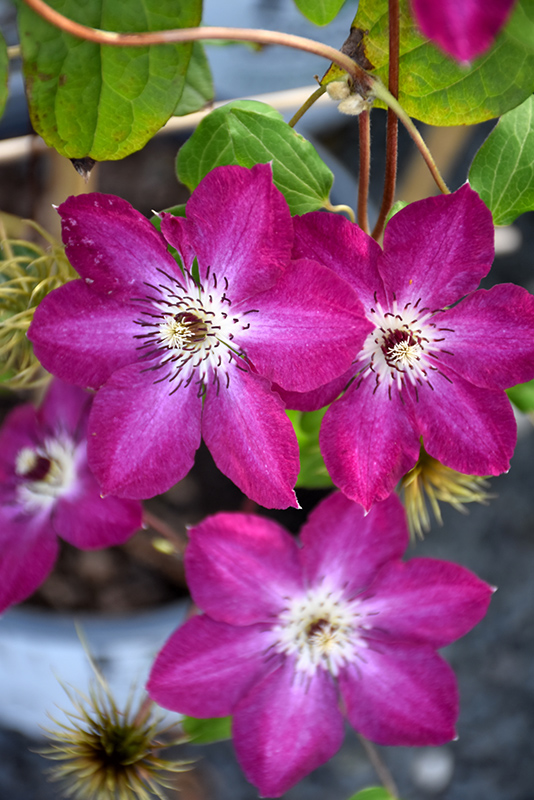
130,599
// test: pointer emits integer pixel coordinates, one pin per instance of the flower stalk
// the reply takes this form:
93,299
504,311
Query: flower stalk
392,130
364,123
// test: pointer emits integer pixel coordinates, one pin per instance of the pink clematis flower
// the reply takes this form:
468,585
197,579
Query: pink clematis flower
432,368
294,637
47,490
179,351
462,28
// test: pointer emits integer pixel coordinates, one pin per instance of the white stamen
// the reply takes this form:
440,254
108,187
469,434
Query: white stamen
186,331
59,474
401,346
322,629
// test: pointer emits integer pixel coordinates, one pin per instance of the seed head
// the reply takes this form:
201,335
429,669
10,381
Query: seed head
106,754
28,272
431,480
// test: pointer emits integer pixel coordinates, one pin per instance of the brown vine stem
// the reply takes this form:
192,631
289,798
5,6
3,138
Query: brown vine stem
392,130
364,83
380,767
382,93
362,79
364,121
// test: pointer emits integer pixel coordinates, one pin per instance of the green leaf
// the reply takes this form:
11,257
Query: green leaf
4,73
395,208
522,396
198,90
503,169
204,731
100,101
321,12
176,211
433,87
521,25
313,473
246,132
373,793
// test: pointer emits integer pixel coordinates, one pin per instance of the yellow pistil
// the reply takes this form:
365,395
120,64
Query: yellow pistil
431,480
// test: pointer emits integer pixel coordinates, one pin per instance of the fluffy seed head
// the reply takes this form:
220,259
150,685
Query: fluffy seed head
28,272
106,754
431,480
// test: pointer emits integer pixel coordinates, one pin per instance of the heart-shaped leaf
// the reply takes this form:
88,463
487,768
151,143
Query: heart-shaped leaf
198,90
321,12
100,101
246,132
503,169
433,87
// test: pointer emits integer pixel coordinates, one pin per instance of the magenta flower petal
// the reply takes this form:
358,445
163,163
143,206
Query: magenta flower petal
20,429
251,439
111,245
435,252
187,326
241,228
462,28
28,550
142,438
309,354
501,319
438,249
240,567
344,248
368,443
65,402
89,521
83,337
206,667
47,489
317,398
332,552
409,598
471,430
401,694
283,729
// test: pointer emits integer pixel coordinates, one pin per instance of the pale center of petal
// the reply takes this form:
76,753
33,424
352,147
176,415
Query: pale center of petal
403,347
188,332
47,472
322,629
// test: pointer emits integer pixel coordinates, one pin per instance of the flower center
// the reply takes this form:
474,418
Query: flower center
46,473
323,630
404,346
183,330
401,349
188,331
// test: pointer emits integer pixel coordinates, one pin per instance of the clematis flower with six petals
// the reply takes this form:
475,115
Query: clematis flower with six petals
47,490
292,637
432,369
179,350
